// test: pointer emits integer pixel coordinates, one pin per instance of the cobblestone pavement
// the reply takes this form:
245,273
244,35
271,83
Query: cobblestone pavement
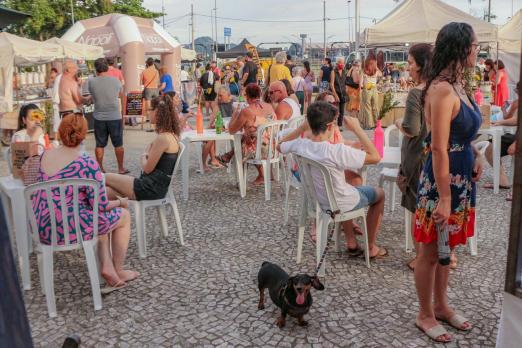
204,294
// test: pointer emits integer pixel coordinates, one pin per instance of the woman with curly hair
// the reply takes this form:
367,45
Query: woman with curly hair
157,161
446,191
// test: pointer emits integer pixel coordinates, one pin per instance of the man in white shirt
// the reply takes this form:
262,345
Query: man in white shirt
286,108
183,75
322,117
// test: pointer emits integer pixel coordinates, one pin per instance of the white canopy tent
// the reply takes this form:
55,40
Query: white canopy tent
75,50
416,21
188,54
15,50
509,47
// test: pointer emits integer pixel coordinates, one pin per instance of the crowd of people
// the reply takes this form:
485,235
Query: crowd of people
437,175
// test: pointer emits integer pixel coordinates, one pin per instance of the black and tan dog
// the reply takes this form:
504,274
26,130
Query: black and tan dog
291,294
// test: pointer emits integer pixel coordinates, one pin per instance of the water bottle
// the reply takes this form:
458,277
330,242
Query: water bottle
219,123
378,138
443,244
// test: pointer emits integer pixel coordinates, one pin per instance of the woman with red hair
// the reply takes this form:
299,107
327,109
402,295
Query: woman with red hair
369,93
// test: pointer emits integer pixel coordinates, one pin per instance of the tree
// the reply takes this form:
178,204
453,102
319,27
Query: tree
53,17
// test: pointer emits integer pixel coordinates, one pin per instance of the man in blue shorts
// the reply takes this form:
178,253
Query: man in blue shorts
322,118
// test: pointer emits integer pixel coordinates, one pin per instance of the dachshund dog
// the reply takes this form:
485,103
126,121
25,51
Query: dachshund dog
291,294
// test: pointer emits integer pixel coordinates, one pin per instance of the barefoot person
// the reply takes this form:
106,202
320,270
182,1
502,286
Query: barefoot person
157,161
67,162
446,193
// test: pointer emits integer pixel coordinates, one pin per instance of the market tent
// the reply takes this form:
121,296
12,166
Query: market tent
75,50
15,50
416,21
509,46
188,55
131,39
241,49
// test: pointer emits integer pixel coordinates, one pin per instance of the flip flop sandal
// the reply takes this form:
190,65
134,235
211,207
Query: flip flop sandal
111,288
408,264
456,321
383,252
435,332
355,252
502,187
126,171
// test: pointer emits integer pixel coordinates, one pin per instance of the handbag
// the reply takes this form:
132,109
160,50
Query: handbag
350,82
31,169
401,181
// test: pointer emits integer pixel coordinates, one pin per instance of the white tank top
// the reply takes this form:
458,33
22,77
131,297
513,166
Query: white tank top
296,110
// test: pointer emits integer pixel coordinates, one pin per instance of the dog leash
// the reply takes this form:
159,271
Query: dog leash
332,214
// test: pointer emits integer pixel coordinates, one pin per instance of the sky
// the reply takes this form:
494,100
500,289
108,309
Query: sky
311,11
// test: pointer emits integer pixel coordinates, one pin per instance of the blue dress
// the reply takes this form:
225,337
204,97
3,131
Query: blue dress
461,223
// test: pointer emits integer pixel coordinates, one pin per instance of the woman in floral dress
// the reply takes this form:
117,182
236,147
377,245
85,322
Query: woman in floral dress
67,162
446,194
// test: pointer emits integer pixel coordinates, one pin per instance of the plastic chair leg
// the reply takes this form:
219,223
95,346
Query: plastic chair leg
337,236
266,174
140,230
174,206
48,279
366,242
473,244
90,256
163,221
39,258
392,192
322,235
287,192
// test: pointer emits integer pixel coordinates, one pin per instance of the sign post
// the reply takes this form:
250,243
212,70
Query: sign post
227,32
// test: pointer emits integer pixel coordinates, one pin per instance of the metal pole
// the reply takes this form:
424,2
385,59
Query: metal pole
324,27
357,24
163,11
192,23
72,11
215,24
489,10
349,22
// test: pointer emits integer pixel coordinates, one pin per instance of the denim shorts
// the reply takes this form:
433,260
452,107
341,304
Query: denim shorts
367,196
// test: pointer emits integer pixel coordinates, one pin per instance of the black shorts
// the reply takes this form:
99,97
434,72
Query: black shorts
104,129
505,142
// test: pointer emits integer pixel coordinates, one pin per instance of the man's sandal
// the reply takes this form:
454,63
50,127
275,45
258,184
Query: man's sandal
435,332
457,321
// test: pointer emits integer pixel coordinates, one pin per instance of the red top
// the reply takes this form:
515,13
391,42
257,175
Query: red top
115,73
502,90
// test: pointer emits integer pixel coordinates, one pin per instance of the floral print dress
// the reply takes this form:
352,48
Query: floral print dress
461,222
83,167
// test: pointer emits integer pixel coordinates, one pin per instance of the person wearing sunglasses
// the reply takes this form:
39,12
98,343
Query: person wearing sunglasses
287,108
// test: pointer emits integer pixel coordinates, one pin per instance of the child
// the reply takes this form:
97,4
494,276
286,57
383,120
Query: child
30,121
321,118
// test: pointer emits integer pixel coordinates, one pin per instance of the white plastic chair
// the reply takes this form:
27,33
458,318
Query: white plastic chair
273,156
169,199
7,157
45,252
288,163
306,166
389,175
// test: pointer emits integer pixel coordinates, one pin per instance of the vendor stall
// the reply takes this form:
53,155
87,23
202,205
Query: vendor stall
509,47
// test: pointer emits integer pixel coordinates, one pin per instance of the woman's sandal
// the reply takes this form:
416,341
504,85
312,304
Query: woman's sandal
110,288
435,332
502,187
456,321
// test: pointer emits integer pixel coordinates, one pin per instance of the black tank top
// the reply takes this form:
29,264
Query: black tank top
167,162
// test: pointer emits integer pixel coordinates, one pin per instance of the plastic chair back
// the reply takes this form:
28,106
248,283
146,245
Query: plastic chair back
178,161
7,156
62,186
295,122
387,134
306,167
272,129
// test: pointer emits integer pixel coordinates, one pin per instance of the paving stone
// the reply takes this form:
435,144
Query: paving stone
205,293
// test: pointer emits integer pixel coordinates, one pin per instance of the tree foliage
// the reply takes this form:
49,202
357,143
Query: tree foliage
53,17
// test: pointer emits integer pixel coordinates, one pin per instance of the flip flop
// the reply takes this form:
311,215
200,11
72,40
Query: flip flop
435,332
355,252
110,288
125,171
490,186
408,264
456,321
383,252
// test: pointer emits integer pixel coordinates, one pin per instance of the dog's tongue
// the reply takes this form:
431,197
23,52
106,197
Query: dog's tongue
300,299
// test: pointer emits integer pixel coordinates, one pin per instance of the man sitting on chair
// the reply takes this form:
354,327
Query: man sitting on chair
321,117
